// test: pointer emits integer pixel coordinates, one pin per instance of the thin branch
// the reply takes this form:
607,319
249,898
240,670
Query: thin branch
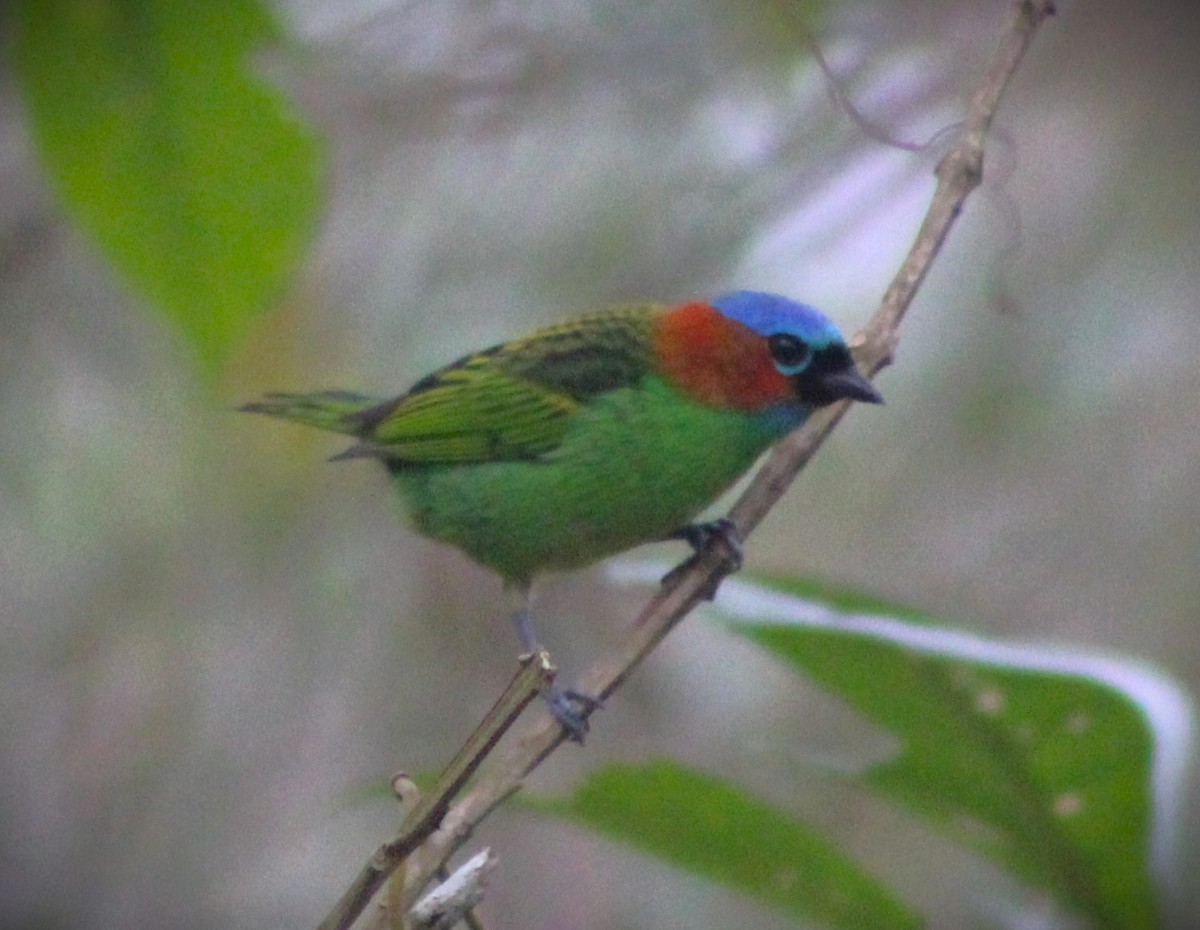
958,174
841,99
535,674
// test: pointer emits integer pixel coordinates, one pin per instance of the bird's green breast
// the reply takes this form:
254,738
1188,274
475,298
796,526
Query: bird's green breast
635,464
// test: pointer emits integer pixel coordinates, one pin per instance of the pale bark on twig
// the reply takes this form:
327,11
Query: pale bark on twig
453,899
432,810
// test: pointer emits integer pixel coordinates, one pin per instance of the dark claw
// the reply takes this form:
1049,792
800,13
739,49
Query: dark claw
702,535
570,708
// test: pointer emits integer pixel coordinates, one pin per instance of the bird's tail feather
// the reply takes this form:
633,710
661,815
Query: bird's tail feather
337,411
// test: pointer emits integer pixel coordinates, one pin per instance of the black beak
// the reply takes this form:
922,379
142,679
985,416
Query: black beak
848,382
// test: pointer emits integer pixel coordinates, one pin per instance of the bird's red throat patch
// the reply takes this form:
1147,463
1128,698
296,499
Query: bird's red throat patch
716,360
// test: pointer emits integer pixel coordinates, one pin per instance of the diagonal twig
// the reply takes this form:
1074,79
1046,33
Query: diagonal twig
429,813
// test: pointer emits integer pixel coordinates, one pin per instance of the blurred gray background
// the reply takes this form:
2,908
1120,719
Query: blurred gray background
214,645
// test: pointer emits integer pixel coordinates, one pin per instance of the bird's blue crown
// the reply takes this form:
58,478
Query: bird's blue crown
769,314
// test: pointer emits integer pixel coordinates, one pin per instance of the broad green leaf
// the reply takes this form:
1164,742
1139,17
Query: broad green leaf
717,831
188,170
1065,768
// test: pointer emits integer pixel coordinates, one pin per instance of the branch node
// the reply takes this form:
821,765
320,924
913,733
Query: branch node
405,789
962,166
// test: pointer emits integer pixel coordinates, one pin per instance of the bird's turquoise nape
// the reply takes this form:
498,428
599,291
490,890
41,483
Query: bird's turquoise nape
592,436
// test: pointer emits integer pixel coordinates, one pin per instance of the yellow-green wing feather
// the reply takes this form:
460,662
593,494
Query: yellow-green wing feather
515,400
472,415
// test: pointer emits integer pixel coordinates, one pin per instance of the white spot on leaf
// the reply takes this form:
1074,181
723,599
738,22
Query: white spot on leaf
989,701
1068,804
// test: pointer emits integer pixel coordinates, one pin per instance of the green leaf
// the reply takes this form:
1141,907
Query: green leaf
189,171
715,830
1052,762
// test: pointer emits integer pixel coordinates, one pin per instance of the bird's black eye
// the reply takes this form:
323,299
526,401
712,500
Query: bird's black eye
790,353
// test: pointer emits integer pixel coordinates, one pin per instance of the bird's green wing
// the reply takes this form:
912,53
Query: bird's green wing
514,400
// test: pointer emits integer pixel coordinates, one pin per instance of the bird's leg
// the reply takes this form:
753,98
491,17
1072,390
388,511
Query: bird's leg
568,707
522,617
702,535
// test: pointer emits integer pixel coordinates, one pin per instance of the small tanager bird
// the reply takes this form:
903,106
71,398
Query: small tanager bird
592,436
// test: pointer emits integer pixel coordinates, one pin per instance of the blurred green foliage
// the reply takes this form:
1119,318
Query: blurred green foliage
1040,759
715,830
192,173
1020,752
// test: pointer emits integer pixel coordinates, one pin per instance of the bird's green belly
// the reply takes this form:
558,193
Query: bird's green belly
635,465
